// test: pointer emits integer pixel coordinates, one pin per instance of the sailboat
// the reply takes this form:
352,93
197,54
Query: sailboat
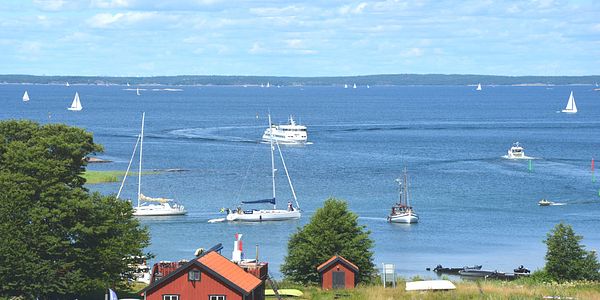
345,86
76,104
137,91
67,84
148,206
354,86
571,106
402,212
259,215
25,97
478,87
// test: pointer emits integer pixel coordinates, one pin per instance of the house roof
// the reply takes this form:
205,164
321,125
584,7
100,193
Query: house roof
218,266
335,259
232,272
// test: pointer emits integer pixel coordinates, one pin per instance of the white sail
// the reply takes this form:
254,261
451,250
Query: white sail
479,87
354,86
76,104
345,86
137,91
67,84
25,97
571,106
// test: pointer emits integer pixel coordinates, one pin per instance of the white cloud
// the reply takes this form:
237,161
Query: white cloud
257,48
350,9
276,11
412,52
596,27
105,20
51,5
110,3
294,43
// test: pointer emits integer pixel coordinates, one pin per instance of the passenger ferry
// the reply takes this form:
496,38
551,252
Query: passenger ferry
290,133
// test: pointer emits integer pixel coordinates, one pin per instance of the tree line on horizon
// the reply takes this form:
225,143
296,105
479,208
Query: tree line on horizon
383,79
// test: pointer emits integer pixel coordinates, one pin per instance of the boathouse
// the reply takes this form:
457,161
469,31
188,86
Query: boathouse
338,273
209,276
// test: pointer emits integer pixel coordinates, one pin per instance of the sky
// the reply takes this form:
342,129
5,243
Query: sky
299,38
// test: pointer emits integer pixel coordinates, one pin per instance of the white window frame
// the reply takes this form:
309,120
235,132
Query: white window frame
217,297
170,297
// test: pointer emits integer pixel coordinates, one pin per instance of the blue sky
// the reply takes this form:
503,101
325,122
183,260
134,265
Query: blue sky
298,38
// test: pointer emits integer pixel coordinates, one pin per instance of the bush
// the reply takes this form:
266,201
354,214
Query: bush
566,259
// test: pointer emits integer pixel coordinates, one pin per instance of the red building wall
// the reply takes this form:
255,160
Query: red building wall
193,290
327,276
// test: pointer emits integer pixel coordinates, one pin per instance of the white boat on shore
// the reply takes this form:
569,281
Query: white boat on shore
260,215
402,212
148,206
571,107
290,133
516,152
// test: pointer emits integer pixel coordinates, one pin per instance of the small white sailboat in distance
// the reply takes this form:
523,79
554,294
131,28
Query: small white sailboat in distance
478,87
25,97
354,86
67,84
571,107
345,86
76,104
137,91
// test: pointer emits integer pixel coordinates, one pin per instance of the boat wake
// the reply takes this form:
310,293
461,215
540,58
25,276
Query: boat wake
217,220
520,158
557,204
211,134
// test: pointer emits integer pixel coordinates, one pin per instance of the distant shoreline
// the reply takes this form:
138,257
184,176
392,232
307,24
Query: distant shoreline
274,81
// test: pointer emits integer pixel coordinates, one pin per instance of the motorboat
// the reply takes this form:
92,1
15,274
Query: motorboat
402,212
478,273
274,214
149,206
440,269
516,152
545,202
291,133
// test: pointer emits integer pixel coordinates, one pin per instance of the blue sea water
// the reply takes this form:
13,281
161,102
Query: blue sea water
475,207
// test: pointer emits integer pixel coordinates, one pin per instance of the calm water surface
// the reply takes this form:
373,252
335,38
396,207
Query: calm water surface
475,207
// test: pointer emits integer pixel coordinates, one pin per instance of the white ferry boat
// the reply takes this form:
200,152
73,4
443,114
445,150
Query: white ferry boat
290,133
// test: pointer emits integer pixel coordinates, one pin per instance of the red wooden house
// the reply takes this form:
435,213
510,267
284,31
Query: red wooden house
209,277
338,273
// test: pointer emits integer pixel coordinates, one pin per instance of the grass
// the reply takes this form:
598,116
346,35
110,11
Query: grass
95,177
519,289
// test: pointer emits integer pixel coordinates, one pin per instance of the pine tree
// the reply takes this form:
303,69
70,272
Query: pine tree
333,230
58,240
566,259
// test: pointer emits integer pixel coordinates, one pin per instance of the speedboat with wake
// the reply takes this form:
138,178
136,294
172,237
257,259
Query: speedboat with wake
516,152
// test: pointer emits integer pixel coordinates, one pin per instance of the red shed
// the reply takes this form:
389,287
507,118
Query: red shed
208,277
338,273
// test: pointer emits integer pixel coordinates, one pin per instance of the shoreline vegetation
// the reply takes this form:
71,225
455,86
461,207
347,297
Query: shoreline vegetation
383,79
96,177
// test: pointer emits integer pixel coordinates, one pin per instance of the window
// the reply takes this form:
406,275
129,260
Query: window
170,297
194,275
217,297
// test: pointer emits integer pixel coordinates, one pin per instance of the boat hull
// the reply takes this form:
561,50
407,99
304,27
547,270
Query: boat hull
163,209
263,215
404,218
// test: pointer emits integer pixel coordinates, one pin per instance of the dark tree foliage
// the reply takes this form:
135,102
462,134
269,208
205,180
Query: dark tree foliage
57,239
332,230
566,259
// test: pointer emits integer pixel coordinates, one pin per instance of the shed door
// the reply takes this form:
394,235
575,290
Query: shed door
339,280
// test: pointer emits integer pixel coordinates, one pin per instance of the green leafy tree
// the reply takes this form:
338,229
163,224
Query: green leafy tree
332,230
58,240
566,259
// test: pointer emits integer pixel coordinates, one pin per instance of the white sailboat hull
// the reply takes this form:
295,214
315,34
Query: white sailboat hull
405,218
159,209
74,108
571,106
263,215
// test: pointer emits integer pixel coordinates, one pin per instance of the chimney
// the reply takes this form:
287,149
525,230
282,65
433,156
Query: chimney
237,254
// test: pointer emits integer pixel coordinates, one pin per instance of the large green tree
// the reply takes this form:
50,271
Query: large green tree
566,259
332,230
57,239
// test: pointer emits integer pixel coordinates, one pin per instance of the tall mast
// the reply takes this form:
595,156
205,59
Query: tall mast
140,167
272,159
406,188
288,176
